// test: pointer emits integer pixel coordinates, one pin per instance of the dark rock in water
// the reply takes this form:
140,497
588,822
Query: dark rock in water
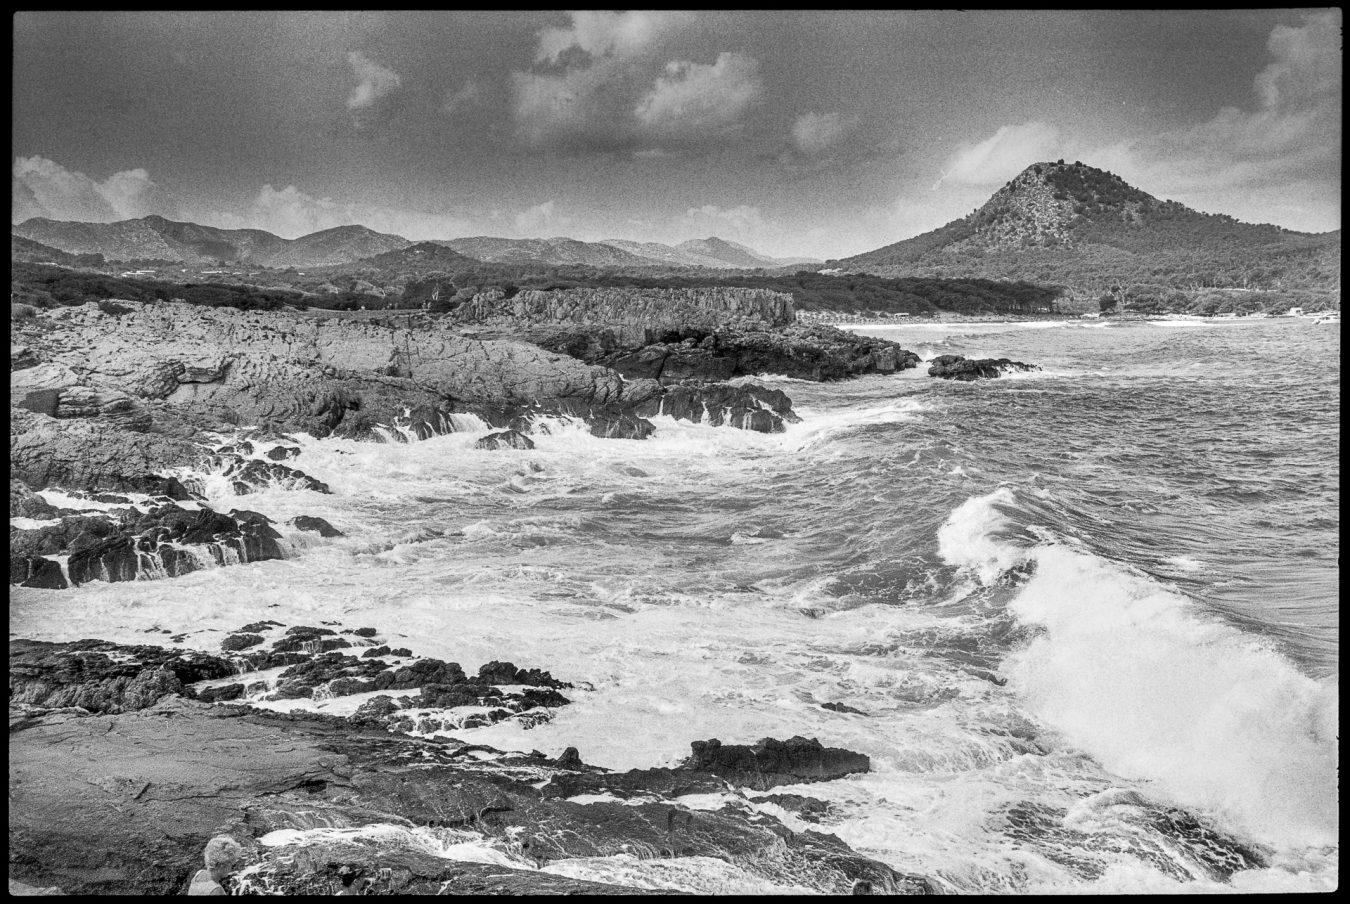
37,572
506,673
281,453
363,632
240,642
569,759
312,523
957,367
749,407
243,449
255,627
245,474
621,426
400,652
376,651
113,559
772,762
842,708
509,439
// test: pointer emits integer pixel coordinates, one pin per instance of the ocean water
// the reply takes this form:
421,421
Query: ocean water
1089,613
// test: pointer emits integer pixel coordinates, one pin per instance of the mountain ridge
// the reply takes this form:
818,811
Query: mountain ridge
1076,223
156,237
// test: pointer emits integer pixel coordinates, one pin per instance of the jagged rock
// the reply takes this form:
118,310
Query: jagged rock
509,439
281,453
24,503
957,367
506,673
312,523
842,708
240,642
772,762
137,543
103,677
811,809
245,474
748,406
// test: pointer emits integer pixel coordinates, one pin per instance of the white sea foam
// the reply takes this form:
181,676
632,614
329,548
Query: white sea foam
967,539
1131,672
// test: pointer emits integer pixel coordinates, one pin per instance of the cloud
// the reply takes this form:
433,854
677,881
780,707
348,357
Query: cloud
814,133
1003,155
536,220
44,188
373,82
607,82
696,99
599,33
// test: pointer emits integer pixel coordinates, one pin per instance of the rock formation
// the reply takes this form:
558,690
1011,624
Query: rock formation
957,367
118,778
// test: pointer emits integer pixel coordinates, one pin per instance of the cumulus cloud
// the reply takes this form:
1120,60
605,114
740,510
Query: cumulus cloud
373,82
1002,155
697,99
814,133
606,82
44,188
599,33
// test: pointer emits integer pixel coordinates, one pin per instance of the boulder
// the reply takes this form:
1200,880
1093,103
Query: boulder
312,523
772,762
509,439
958,367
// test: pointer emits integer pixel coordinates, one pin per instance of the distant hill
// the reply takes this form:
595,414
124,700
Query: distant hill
545,251
156,238
411,261
712,253
1075,225
22,250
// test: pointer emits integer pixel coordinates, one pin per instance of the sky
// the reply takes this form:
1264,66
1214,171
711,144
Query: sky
798,133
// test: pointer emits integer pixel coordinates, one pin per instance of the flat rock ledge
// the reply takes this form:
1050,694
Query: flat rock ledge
121,799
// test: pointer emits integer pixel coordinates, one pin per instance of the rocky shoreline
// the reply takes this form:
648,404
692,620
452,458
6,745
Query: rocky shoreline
125,760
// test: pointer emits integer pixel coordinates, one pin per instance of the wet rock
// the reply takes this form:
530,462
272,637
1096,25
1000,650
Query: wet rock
842,708
958,367
24,503
749,407
237,642
772,762
103,677
281,453
509,439
506,673
246,474
221,694
312,523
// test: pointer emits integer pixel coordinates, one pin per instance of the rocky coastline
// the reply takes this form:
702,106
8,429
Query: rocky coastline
124,760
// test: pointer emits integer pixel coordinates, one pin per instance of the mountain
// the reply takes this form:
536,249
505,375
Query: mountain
1081,226
341,245
713,253
27,251
416,260
155,237
545,251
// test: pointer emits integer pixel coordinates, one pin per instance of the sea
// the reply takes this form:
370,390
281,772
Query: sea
1086,618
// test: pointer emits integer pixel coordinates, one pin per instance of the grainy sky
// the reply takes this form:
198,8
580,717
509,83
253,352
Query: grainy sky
798,132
